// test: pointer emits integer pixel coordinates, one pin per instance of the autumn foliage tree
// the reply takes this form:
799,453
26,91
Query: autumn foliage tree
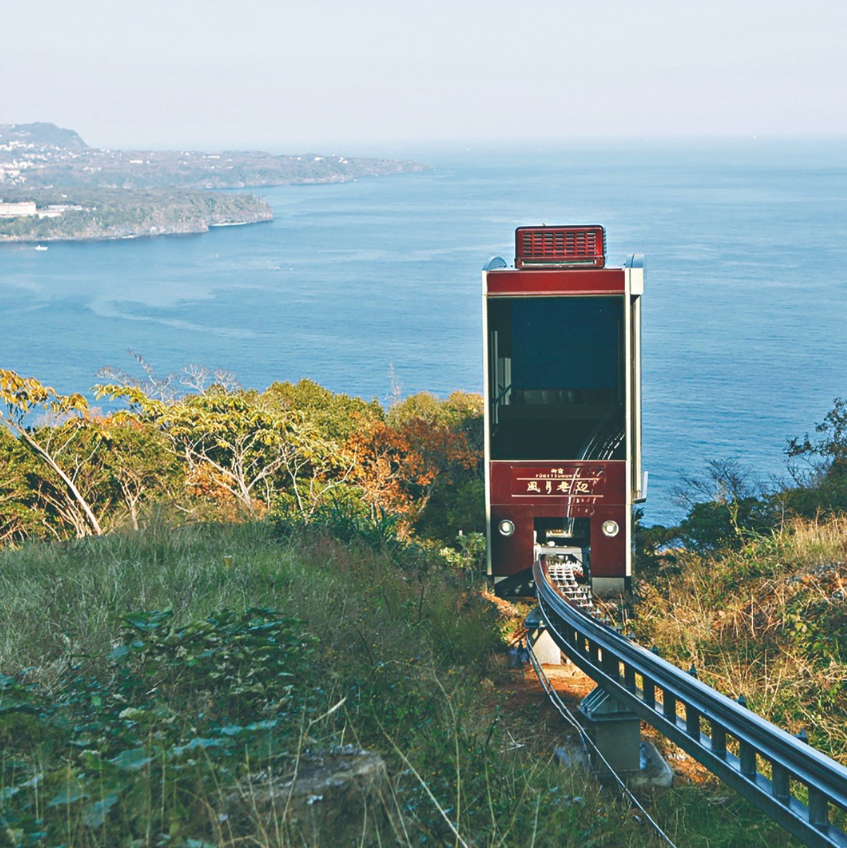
238,449
20,515
223,452
426,448
67,470
230,448
141,469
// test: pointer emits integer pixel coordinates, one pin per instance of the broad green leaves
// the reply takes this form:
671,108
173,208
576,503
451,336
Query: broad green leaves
182,709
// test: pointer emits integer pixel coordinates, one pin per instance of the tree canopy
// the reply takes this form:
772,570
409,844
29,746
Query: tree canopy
204,448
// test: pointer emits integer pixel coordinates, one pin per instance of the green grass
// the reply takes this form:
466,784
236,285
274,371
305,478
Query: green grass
67,599
134,731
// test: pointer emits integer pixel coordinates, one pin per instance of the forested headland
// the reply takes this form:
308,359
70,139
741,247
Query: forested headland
54,187
119,214
205,587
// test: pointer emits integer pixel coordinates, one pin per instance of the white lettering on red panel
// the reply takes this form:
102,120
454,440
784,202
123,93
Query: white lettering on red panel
579,485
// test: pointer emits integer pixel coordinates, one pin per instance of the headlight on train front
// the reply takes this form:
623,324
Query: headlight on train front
506,527
610,528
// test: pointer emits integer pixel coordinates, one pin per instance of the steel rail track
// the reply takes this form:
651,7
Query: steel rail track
804,786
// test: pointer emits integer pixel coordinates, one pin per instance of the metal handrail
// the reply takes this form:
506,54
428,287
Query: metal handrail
496,401
618,665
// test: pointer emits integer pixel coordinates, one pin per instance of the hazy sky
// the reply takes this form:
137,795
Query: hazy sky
294,76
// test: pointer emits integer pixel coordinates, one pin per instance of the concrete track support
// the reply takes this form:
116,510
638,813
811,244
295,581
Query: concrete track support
615,731
540,641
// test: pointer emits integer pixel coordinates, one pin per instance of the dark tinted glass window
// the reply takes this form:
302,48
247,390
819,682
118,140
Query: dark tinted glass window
556,378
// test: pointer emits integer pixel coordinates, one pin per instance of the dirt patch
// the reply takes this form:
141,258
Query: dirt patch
522,694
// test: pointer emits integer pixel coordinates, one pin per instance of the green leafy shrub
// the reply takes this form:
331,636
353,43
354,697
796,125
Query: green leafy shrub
230,664
180,708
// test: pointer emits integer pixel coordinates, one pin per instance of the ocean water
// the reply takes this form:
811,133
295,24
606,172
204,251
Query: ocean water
374,284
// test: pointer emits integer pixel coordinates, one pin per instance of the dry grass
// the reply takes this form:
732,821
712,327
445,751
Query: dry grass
817,542
768,621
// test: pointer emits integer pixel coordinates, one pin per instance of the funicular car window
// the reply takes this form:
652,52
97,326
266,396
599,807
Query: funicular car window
557,377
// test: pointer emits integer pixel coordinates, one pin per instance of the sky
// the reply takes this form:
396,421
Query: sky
288,76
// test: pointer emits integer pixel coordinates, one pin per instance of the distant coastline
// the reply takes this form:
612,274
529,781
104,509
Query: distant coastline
45,242
54,187
112,214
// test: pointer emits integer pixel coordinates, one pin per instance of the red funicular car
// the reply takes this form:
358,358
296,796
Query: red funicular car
563,408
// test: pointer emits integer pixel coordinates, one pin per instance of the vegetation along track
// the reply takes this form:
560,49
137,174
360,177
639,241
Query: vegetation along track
797,786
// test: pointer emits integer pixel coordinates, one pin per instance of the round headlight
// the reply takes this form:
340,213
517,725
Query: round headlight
506,527
610,528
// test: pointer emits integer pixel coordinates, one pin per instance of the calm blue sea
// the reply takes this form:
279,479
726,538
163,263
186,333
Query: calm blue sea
745,311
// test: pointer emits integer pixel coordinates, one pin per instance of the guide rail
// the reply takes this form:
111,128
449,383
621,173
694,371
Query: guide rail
797,786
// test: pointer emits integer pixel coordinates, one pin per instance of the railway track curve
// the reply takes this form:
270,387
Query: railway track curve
797,786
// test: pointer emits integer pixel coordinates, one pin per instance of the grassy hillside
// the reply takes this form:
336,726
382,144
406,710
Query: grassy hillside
256,576
136,695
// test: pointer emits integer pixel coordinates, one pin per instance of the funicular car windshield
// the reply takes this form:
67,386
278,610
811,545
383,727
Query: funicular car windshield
556,368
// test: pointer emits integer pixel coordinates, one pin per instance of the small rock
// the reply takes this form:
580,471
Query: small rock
336,797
